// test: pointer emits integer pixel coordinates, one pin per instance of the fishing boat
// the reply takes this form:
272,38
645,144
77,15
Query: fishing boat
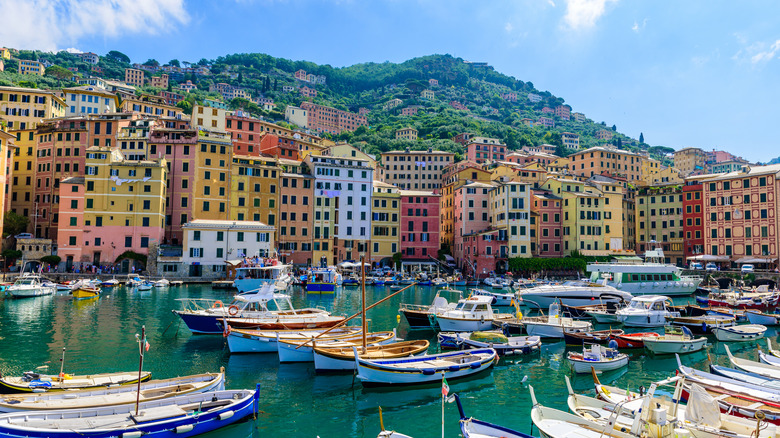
675,341
633,340
181,416
751,366
112,396
758,317
255,277
597,357
29,285
758,298
334,359
601,337
572,293
264,310
745,376
388,433
264,341
504,345
303,350
646,311
739,333
653,277
82,290
423,317
424,369
323,280
469,315
470,427
499,298
35,382
702,324
553,325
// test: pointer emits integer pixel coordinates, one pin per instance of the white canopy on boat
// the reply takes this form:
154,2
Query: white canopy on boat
709,258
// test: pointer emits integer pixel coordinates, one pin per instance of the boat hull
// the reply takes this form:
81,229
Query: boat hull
331,361
420,370
85,293
31,292
737,334
659,346
203,324
633,340
320,288
755,317
463,325
417,319
39,386
584,366
548,330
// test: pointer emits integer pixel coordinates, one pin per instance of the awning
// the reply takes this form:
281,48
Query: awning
628,258
449,258
744,260
709,258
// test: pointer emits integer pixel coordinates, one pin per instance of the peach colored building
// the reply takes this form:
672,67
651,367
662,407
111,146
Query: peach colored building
135,77
296,201
481,149
471,216
546,217
419,226
159,81
326,119
547,122
563,111
600,159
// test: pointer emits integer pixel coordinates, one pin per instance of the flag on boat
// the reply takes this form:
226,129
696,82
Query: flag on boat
445,388
146,345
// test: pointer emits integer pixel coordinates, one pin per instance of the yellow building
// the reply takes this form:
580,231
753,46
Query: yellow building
24,161
510,212
346,150
208,117
148,105
454,177
666,175
583,215
385,215
5,53
650,167
27,67
213,160
612,195
559,165
6,151
24,108
254,189
88,99
690,160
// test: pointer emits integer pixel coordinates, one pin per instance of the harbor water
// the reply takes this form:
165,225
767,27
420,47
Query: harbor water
99,336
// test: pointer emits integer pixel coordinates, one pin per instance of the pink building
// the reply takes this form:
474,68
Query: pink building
546,214
409,111
308,92
546,122
548,110
511,97
70,236
482,249
471,217
300,75
433,82
481,149
458,106
563,111
419,225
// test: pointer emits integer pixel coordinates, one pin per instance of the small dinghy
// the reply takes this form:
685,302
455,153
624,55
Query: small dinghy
675,341
745,376
264,341
702,324
752,366
34,382
504,345
473,428
739,333
598,357
329,359
424,369
633,340
759,317
601,337
182,416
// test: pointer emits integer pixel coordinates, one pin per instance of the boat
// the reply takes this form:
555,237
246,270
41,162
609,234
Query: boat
652,277
469,315
162,283
745,376
758,317
112,396
303,351
29,285
758,298
134,280
424,369
603,316
261,310
264,341
747,332
675,341
702,324
571,293
388,433
470,427
553,325
323,280
252,278
773,358
504,345
423,317
646,311
598,357
601,337
144,286
633,340
85,292
34,382
182,416
330,359
110,283
751,366
176,283
499,298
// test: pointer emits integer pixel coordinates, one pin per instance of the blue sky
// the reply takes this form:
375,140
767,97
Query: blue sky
693,73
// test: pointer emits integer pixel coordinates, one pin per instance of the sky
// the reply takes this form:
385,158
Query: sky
698,73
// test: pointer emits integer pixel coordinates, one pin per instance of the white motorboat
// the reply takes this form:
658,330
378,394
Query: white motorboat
162,283
758,317
740,333
499,298
110,283
675,341
597,357
504,345
424,369
646,311
571,293
29,285
553,325
134,280
252,278
603,316
653,277
472,314
424,317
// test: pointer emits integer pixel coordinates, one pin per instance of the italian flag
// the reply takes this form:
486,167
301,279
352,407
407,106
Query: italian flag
445,388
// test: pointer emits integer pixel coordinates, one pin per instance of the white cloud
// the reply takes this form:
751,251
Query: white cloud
551,3
766,55
583,14
637,27
755,53
51,24
508,28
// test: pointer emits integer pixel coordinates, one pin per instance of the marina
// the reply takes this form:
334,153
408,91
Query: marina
294,399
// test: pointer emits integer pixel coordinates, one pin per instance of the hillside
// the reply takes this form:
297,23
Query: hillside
476,89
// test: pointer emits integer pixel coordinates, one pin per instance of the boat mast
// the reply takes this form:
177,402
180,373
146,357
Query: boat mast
141,346
363,300
62,367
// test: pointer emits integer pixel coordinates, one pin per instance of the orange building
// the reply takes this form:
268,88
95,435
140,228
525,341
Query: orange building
598,160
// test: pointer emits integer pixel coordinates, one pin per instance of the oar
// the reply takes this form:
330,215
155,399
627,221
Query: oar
357,314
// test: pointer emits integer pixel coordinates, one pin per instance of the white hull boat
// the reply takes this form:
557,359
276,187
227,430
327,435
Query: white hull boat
739,333
646,311
424,369
672,344
162,283
504,345
343,359
472,428
751,366
303,351
603,316
499,298
572,293
598,358
264,341
758,317
28,286
472,314
553,325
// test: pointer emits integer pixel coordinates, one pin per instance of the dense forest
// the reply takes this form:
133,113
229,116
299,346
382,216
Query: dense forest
476,88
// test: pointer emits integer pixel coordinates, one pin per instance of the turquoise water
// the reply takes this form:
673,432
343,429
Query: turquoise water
99,336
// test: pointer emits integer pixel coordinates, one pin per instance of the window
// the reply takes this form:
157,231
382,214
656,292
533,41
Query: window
128,242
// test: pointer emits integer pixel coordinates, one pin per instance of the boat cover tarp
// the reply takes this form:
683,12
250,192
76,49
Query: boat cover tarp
487,337
702,408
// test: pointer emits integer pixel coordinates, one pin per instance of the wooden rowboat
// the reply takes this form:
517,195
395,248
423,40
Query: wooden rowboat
327,359
424,369
34,382
601,337
84,292
633,340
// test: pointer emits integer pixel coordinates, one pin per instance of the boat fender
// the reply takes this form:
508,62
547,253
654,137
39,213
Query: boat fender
398,319
454,368
704,327
482,319
132,434
428,372
233,310
475,365
226,415
184,428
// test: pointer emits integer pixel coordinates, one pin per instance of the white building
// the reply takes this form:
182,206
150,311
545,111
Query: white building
89,57
89,99
209,117
210,243
297,116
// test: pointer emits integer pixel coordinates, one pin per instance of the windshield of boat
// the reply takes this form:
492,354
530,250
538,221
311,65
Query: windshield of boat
26,281
280,304
640,305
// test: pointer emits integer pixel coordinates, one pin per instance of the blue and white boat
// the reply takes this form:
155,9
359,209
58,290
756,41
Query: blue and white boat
473,428
323,280
251,278
424,369
183,416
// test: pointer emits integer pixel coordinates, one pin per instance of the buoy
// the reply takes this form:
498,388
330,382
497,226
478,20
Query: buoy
525,379
398,319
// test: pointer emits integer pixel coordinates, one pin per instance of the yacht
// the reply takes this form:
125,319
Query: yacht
653,277
572,293
30,285
646,311
252,278
554,324
470,315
